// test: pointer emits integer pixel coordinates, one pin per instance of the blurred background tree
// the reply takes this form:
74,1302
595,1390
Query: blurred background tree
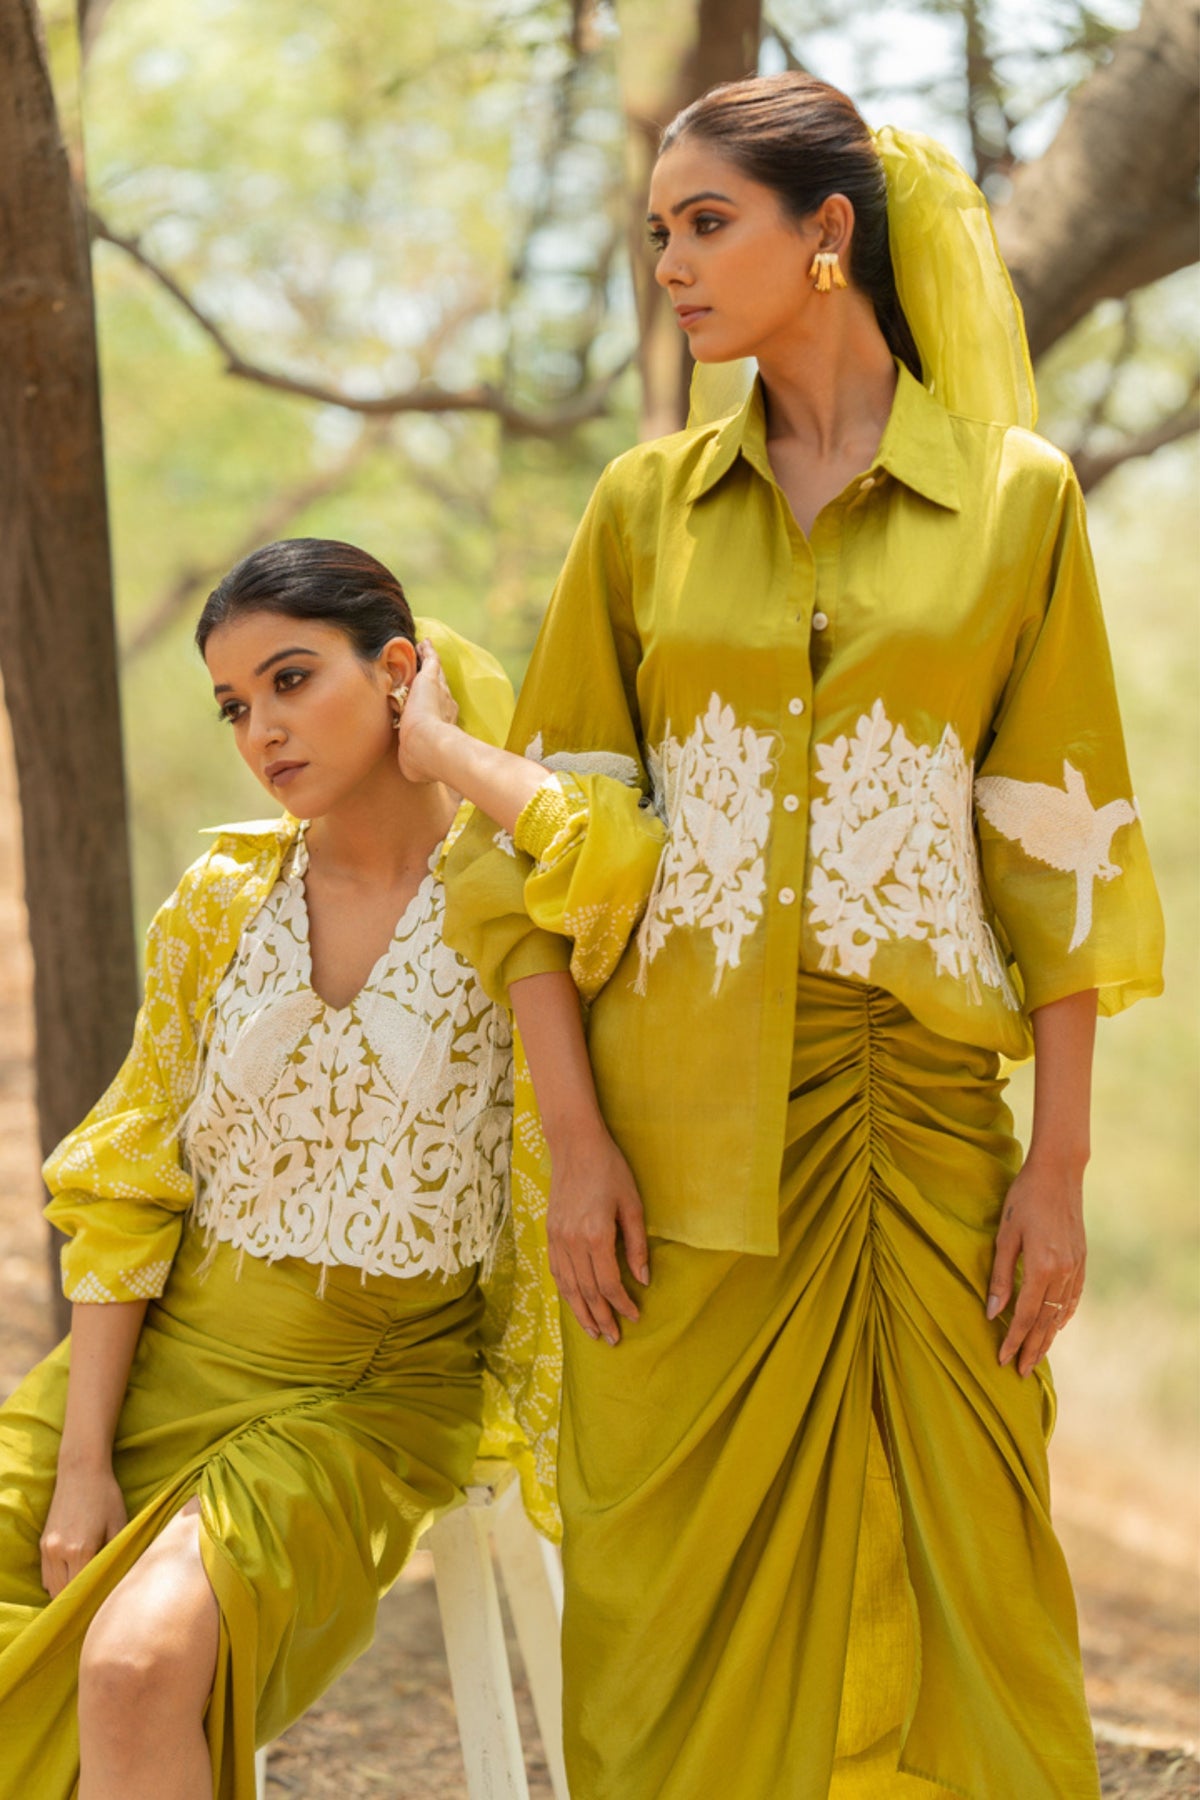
57,648
378,272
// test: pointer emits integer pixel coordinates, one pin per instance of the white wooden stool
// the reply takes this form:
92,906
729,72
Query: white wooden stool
473,1629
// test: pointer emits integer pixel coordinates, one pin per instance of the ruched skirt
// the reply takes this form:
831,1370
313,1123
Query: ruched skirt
321,1434
807,1540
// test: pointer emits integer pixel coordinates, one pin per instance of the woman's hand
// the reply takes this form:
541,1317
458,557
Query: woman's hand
87,1512
429,705
1043,1225
593,1198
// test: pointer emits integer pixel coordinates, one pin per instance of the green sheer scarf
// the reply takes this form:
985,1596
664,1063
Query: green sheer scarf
954,288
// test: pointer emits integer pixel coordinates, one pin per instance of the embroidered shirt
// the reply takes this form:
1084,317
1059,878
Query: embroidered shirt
374,1134
889,750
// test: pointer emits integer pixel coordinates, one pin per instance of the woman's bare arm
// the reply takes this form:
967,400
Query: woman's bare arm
594,1203
88,1507
593,1196
1043,1211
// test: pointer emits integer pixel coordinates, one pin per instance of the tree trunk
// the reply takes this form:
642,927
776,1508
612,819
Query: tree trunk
670,52
1111,206
57,639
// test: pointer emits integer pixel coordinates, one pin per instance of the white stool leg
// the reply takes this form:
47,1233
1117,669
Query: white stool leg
477,1655
533,1583
260,1771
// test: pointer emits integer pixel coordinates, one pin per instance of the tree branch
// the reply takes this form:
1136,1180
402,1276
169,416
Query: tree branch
585,36
792,58
1097,412
985,100
276,515
426,397
272,521
90,16
1111,206
1092,466
540,212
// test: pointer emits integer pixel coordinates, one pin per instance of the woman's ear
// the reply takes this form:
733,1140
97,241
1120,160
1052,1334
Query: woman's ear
398,660
835,218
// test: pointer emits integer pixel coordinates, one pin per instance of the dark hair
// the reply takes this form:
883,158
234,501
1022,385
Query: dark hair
314,578
807,140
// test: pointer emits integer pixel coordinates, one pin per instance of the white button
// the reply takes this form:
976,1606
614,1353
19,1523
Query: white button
786,896
820,621
796,707
790,802
868,482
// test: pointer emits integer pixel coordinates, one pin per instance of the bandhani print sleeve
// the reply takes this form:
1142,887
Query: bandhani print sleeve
117,1183
1063,855
597,844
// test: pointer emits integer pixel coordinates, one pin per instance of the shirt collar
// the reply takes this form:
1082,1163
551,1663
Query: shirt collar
282,829
917,446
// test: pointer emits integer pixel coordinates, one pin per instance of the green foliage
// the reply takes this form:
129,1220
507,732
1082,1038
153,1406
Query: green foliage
379,194
366,199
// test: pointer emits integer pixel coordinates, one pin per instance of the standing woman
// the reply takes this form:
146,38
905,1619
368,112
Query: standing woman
277,1217
838,815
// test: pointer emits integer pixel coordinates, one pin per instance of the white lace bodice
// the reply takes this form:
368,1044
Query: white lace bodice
375,1134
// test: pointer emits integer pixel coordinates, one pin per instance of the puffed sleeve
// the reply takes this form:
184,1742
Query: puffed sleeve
118,1184
569,886
1064,858
596,846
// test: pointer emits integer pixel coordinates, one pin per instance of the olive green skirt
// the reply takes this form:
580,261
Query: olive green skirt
322,1434
807,1541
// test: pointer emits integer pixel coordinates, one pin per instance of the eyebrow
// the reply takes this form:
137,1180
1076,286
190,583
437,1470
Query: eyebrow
708,194
225,687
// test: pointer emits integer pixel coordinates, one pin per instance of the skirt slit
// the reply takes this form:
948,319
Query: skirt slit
321,1434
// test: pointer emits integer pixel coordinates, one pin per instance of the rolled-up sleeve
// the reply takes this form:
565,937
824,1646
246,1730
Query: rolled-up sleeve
596,847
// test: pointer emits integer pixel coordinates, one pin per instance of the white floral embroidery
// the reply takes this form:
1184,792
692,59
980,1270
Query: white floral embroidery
712,793
585,762
894,855
1061,827
375,1134
503,841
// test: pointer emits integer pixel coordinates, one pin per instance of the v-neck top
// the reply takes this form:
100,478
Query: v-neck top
373,1134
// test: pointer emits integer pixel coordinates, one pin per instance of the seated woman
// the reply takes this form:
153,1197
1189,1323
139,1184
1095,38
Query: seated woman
277,1215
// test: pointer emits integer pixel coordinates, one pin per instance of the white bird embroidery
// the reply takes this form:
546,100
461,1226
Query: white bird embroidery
1061,827
868,851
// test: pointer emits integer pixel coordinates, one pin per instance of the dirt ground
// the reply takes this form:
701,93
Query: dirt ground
387,1728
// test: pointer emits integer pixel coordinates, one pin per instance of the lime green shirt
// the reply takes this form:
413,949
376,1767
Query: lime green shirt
889,751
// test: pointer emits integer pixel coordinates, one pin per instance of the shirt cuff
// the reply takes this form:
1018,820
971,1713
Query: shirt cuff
544,815
116,1249
541,953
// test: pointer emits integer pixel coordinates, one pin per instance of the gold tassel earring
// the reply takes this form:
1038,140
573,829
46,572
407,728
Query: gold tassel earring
399,695
826,271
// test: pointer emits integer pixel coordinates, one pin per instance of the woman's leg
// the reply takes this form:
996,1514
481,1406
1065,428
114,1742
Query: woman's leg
146,1674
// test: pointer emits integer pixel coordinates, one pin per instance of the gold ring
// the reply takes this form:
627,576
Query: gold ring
1058,1305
